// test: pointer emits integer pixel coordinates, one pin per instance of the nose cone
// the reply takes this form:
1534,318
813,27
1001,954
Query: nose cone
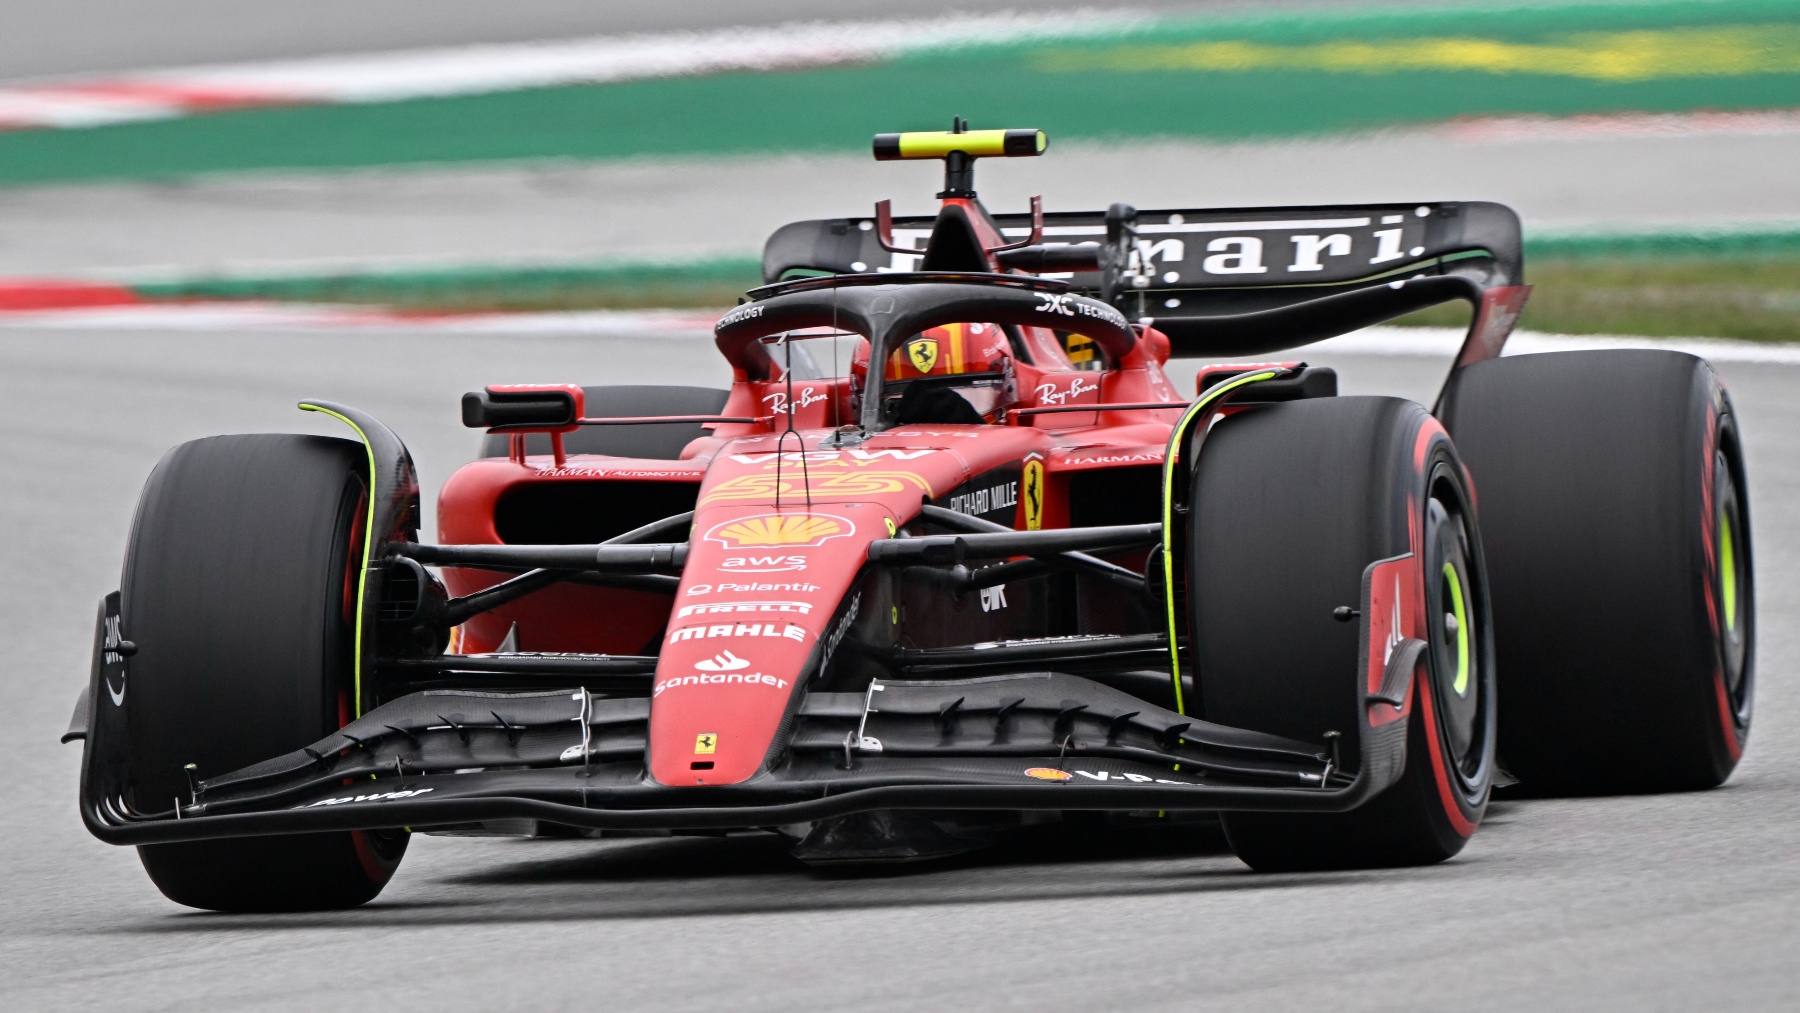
714,723
759,592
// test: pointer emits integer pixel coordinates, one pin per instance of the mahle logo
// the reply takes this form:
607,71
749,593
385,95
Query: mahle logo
770,530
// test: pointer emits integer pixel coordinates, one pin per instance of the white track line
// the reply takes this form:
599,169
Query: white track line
663,324
466,70
1512,129
252,316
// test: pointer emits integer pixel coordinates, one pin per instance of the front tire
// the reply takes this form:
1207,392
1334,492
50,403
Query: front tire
239,590
1292,503
1613,499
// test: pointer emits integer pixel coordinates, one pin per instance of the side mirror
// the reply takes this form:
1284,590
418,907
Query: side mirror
525,407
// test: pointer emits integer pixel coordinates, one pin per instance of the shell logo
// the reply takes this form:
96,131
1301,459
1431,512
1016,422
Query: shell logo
768,530
1048,774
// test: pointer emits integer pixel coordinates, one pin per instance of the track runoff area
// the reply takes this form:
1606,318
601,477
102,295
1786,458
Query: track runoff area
640,171
1652,902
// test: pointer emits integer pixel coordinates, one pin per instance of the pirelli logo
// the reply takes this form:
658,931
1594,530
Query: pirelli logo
739,607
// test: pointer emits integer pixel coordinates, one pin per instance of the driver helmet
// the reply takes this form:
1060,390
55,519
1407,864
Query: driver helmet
969,361
950,350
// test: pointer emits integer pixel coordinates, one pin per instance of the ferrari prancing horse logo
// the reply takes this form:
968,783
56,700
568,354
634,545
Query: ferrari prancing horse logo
1031,493
923,352
706,743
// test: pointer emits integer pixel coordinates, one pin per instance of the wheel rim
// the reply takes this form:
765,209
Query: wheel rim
1456,623
1732,575
1457,636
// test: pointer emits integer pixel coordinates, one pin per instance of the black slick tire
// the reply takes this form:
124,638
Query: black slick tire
239,588
1612,496
1291,505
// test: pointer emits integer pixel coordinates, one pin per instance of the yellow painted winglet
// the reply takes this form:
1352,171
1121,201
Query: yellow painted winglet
362,579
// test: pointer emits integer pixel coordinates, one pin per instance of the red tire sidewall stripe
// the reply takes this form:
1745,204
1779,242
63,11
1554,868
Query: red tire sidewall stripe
372,866
1439,768
1734,744
1709,520
1429,430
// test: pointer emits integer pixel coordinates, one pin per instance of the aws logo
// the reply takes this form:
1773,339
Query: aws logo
763,564
784,530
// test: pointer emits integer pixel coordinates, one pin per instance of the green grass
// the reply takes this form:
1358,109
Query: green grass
709,284
1087,90
1756,298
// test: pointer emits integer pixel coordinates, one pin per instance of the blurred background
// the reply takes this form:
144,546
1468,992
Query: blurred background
450,156
210,209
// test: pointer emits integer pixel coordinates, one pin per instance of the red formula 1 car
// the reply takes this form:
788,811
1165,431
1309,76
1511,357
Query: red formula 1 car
949,556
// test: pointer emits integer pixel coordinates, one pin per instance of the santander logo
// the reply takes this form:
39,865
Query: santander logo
722,669
724,661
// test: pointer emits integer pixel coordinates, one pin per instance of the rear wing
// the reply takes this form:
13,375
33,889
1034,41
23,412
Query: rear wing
1243,281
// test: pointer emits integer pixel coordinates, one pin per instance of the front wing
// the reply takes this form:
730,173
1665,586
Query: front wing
1022,741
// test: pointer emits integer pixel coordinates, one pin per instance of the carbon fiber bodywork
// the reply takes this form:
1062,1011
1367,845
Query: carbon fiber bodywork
1019,741
845,598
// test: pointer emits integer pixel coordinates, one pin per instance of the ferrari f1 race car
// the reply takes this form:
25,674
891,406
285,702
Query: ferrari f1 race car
952,556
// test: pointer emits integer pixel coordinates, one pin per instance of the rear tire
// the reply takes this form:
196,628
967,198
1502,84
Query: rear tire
1612,497
239,590
1291,504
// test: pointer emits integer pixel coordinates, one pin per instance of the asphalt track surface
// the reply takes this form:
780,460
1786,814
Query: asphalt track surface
1671,902
1674,902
